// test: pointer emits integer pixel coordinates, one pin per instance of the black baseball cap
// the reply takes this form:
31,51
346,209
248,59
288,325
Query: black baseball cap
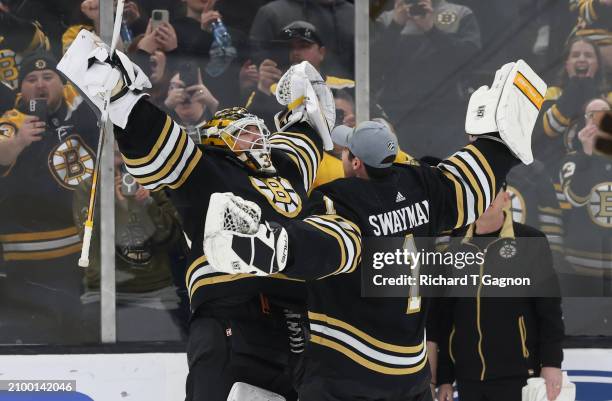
301,30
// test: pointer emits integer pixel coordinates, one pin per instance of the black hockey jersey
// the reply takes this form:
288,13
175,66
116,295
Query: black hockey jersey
380,342
159,154
36,192
587,185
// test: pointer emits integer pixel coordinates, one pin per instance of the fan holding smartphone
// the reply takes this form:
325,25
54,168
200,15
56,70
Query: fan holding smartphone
188,97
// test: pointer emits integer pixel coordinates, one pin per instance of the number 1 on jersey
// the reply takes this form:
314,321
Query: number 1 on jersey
414,300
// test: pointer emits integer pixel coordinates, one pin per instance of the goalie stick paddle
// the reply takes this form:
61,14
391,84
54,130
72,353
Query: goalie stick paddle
88,229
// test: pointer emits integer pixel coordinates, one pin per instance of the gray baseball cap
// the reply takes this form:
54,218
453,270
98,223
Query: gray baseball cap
370,141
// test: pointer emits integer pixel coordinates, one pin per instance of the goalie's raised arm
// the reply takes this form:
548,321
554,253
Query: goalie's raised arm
304,126
502,119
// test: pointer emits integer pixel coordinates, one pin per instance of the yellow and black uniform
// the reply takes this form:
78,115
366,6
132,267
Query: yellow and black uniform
593,21
235,314
491,345
587,185
38,237
374,348
17,37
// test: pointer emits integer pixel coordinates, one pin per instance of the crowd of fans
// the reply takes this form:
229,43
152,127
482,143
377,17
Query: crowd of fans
427,57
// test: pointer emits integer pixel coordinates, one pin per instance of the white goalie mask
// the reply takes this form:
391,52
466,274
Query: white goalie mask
243,133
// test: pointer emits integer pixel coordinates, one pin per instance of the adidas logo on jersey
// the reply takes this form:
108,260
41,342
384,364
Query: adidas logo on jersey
399,198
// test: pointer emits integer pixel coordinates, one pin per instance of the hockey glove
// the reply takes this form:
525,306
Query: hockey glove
510,107
235,241
307,98
88,66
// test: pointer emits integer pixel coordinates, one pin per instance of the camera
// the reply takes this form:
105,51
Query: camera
416,9
129,186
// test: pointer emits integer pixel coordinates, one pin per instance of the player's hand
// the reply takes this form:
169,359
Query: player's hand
130,12
445,392
424,22
249,75
400,12
165,36
554,379
30,131
269,74
175,96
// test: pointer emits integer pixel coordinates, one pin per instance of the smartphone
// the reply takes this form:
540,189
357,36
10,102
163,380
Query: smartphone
188,73
158,17
38,108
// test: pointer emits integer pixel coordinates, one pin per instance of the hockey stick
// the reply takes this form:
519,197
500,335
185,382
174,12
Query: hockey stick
84,259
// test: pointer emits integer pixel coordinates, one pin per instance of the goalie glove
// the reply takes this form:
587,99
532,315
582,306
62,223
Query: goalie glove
511,107
93,72
236,242
307,98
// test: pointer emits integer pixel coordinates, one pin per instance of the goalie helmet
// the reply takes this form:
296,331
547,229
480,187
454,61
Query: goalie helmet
226,129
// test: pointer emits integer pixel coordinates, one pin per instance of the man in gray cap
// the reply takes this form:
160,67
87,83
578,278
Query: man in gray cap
369,149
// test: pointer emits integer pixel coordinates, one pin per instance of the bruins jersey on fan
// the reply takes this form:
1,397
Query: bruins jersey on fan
587,185
16,37
593,21
381,341
533,201
36,191
159,154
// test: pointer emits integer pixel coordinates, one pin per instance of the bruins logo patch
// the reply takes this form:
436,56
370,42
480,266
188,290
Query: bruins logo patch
280,194
71,162
517,205
447,18
600,204
7,130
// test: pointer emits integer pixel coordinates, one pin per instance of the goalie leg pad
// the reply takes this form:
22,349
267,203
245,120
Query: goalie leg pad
247,392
